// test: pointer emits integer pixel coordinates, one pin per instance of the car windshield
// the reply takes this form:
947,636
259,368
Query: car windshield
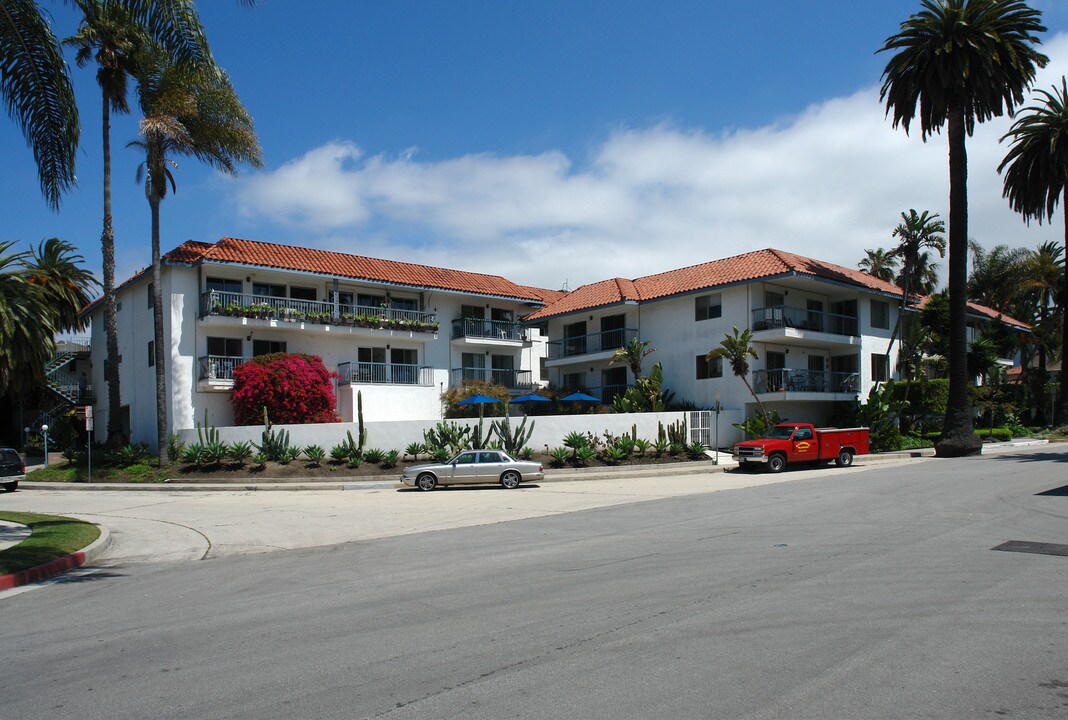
779,432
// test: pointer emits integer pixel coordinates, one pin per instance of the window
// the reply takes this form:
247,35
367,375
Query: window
223,285
303,293
802,434
880,314
574,381
708,369
151,299
467,458
490,457
501,314
400,303
118,306
224,347
403,356
707,307
151,353
473,311
266,347
774,299
268,290
814,316
613,332
880,368
365,300
774,360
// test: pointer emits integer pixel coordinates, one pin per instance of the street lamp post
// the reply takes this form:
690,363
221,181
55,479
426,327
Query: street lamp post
44,431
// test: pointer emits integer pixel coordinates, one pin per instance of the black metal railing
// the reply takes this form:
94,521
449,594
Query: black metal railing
818,381
778,316
214,302
492,329
593,343
512,379
385,373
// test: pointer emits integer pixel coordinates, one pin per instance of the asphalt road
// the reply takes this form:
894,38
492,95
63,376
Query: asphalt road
864,594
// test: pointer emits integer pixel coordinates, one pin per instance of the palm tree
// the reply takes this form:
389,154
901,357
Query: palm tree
998,276
1044,276
41,292
66,287
736,349
190,113
632,354
109,37
924,275
37,92
1036,174
960,62
879,263
915,232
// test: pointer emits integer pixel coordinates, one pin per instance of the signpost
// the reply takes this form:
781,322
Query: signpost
89,442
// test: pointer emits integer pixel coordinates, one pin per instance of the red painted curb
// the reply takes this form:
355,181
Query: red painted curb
43,572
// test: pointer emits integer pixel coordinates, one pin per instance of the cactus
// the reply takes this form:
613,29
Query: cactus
361,430
675,433
208,434
273,445
512,440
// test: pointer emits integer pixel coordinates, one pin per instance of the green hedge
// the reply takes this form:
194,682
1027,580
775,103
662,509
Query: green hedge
925,398
1001,434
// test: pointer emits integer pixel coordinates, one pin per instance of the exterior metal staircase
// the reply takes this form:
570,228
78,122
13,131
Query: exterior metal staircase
66,387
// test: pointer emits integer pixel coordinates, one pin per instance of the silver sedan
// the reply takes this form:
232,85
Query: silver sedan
473,467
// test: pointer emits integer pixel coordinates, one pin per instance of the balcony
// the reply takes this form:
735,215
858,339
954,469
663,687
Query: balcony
814,327
511,379
219,367
223,304
477,329
584,345
385,374
823,382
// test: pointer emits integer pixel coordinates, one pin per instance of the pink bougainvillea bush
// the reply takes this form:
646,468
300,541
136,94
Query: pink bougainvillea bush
295,388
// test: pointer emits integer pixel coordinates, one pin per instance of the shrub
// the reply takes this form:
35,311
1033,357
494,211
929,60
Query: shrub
298,388
526,453
559,456
439,454
696,451
389,460
642,446
584,454
676,448
660,447
415,449
999,434
576,441
355,461
615,455
339,453
131,455
374,455
240,452
215,452
454,394
315,454
175,446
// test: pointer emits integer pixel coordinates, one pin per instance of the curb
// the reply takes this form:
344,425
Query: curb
61,564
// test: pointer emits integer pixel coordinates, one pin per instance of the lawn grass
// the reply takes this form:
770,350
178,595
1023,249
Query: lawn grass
52,537
58,472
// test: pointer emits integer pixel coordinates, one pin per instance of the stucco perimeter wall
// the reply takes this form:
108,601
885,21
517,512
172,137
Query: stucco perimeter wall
548,429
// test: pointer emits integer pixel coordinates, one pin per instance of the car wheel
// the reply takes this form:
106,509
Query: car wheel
10,487
845,459
776,463
511,479
426,482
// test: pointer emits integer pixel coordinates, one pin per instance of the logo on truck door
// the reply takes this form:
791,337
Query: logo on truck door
802,446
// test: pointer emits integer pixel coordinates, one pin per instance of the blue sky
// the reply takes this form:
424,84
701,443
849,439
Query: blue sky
549,142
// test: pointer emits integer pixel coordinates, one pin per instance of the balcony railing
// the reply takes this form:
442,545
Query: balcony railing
385,373
219,367
594,343
511,379
818,381
492,329
778,316
214,302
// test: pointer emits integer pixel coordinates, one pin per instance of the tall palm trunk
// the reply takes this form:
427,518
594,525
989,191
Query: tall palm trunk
1062,408
155,159
958,434
763,411
115,435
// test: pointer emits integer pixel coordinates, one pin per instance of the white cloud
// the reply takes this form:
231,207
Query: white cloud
829,183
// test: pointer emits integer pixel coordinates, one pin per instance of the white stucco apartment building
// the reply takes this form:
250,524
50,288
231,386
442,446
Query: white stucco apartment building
401,333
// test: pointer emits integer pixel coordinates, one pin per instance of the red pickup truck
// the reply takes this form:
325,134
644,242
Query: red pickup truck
801,442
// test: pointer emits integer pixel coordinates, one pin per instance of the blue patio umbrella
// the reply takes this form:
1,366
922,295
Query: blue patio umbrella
479,399
530,397
580,397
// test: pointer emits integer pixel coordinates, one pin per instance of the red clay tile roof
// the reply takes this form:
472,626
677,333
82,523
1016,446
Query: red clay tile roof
326,262
288,257
984,311
740,268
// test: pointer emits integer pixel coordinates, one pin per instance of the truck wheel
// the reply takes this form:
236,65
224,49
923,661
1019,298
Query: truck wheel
776,463
845,459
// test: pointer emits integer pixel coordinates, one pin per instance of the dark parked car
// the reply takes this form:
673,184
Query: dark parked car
12,469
